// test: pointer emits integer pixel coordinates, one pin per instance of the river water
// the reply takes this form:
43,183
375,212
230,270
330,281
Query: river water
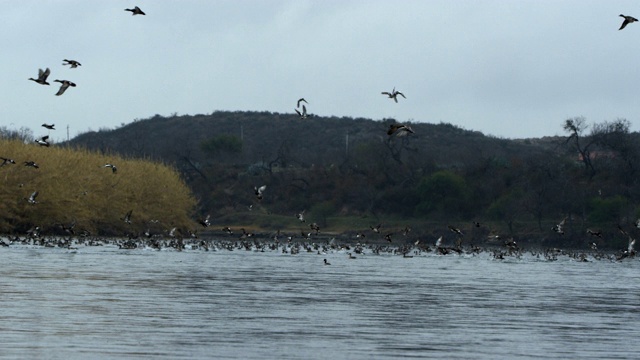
104,302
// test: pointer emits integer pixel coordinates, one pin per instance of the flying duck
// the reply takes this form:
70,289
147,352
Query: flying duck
50,127
303,115
127,217
205,222
393,94
31,163
42,77
594,233
627,20
43,141
32,198
72,63
399,129
114,169
456,230
136,11
259,190
301,100
5,161
64,86
558,228
300,216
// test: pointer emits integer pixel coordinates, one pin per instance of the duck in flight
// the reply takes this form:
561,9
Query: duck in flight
136,11
32,199
31,164
303,115
399,129
6,161
259,191
127,217
301,100
43,141
50,127
42,77
72,63
65,85
559,227
114,169
627,20
206,222
393,94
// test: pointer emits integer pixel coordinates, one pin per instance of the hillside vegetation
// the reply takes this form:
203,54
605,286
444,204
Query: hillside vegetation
347,174
78,193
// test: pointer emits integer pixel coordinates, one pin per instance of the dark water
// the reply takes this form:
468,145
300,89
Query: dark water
102,302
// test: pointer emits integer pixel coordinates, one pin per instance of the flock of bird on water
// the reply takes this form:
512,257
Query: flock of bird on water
289,243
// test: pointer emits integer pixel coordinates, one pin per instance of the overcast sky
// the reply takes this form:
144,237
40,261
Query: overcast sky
511,69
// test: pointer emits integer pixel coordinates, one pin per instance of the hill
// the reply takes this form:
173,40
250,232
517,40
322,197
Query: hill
339,168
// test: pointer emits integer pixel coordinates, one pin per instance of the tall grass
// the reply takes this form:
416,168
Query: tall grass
74,187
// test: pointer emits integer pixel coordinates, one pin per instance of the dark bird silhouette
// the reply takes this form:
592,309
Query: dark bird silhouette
206,221
114,169
127,217
326,262
399,129
65,85
32,199
594,233
301,100
393,94
42,77
559,227
259,191
627,20
43,141
303,115
72,63
135,11
455,230
315,227
31,164
6,161
50,127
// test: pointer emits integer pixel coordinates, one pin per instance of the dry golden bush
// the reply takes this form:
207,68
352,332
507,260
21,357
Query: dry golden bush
74,186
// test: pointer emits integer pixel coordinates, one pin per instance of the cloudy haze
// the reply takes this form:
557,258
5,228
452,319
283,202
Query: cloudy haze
511,69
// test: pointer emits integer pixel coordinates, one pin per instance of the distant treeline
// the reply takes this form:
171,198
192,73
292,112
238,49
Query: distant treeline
344,167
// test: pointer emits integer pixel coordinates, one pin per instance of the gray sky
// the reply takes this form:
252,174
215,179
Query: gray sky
511,69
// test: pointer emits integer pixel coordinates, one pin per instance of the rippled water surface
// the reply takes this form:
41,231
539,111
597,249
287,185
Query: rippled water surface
103,302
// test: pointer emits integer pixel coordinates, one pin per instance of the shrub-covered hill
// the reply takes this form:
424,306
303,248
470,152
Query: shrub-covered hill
74,188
